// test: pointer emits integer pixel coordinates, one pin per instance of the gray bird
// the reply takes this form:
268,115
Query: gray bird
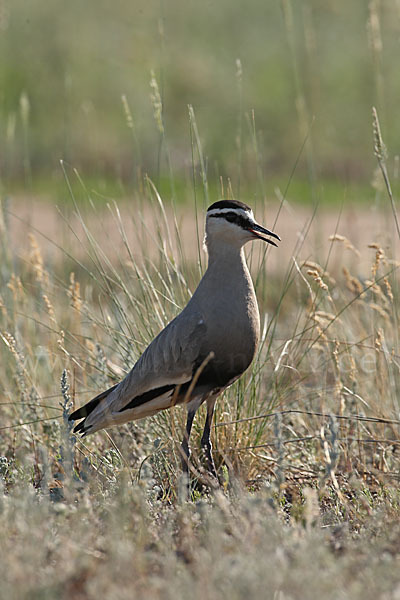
204,349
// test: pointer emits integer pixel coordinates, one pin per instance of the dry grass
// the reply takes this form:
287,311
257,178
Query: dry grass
306,443
125,545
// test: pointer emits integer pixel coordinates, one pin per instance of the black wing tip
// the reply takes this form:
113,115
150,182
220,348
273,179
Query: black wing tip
74,416
81,428
86,409
80,413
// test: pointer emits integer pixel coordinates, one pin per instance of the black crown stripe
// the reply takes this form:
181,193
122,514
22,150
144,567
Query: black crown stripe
234,204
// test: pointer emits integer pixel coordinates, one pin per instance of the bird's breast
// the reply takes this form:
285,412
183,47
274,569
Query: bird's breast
233,329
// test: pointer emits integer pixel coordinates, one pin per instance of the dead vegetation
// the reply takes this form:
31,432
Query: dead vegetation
306,443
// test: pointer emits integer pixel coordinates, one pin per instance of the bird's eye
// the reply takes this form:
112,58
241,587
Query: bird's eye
230,217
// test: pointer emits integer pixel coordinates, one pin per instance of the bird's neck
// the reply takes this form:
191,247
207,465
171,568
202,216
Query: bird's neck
227,267
226,256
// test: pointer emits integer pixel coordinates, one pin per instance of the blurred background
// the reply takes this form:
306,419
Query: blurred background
280,91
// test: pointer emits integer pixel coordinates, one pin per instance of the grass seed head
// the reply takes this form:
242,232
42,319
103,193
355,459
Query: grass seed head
36,260
15,285
352,283
379,146
49,308
347,243
380,310
156,101
318,279
127,111
379,257
74,293
325,316
388,289
3,309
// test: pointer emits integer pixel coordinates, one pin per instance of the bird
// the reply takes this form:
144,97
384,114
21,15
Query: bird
204,349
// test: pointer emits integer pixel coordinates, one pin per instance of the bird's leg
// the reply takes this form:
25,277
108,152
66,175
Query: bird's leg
205,439
185,450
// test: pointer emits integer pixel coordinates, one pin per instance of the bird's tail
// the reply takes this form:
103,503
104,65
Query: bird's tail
86,409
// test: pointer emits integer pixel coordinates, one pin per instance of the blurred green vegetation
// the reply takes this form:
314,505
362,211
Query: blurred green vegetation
262,78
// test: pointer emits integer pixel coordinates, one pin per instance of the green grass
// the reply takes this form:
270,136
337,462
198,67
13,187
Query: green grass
306,70
105,189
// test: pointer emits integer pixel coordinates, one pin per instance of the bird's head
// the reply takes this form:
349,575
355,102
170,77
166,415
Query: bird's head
233,222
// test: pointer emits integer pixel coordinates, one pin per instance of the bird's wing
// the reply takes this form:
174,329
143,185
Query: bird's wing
168,361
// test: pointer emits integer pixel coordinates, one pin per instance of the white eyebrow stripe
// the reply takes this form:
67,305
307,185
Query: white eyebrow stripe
248,214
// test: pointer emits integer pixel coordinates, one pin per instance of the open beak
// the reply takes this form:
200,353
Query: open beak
257,230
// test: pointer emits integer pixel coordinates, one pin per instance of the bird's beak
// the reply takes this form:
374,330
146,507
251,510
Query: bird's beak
256,230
